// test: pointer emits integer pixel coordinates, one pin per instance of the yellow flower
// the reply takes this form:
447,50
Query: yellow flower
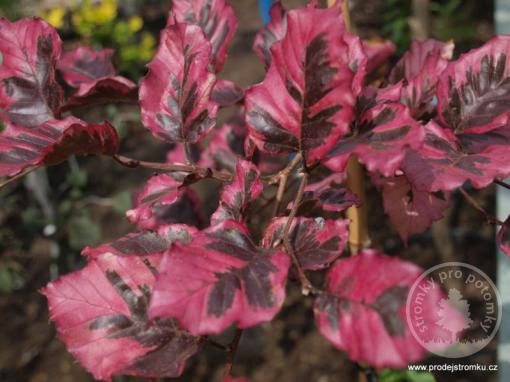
55,17
105,12
135,23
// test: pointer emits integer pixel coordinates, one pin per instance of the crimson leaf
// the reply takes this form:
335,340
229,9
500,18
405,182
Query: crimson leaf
273,31
216,18
163,201
363,312
446,161
218,279
175,94
92,72
236,197
473,92
328,194
410,210
29,92
378,52
305,102
316,242
101,313
419,70
379,139
52,142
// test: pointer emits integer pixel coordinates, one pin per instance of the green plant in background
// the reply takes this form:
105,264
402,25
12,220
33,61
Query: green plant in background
389,375
452,18
99,23
395,23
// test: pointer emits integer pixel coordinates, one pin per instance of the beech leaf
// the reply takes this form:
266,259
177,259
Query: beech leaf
273,31
164,201
446,161
316,242
473,92
410,210
219,279
379,139
101,315
175,94
29,92
236,197
217,20
418,72
363,312
306,100
52,142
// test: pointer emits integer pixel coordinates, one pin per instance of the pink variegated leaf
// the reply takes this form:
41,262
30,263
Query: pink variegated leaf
446,161
410,210
92,72
236,197
175,94
379,140
84,65
363,310
29,92
378,52
473,93
219,279
101,315
306,100
145,243
273,31
328,195
503,238
163,201
52,142
226,145
217,20
416,59
115,89
226,93
417,74
316,242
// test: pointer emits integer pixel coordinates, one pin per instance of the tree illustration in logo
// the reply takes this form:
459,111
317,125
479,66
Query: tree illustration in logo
455,327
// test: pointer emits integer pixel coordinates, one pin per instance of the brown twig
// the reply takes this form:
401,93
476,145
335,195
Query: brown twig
231,352
17,177
306,285
502,184
171,167
282,178
490,219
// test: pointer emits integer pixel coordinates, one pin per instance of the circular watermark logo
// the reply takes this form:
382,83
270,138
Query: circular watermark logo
453,310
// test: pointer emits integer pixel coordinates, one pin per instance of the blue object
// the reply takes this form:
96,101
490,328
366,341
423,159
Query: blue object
265,6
